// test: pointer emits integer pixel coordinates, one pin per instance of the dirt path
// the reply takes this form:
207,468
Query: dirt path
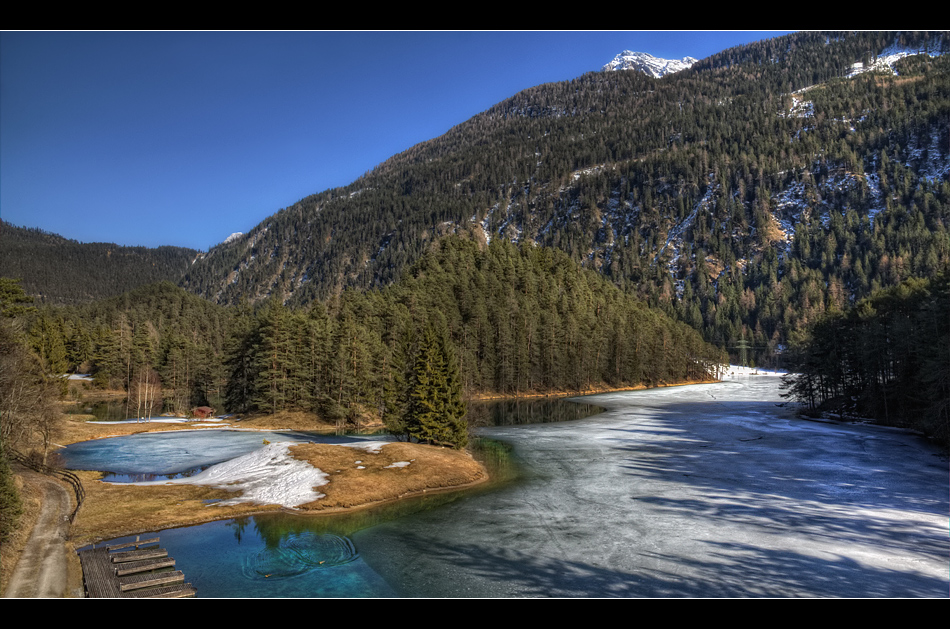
42,569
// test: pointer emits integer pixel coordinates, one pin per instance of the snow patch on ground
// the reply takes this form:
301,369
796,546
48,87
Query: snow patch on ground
84,377
370,446
269,475
163,420
738,371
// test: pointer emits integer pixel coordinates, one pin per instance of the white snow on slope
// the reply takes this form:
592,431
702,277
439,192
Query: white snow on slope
886,60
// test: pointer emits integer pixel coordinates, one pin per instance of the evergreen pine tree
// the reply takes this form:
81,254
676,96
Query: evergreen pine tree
436,410
455,407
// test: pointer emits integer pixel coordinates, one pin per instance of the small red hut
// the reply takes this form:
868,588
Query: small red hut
202,412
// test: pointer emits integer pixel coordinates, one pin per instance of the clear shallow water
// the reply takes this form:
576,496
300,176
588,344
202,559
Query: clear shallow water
270,557
286,555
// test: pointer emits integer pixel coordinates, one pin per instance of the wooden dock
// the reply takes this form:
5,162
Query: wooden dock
145,571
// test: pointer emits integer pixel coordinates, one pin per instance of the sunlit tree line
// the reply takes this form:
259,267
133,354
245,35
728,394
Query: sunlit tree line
465,320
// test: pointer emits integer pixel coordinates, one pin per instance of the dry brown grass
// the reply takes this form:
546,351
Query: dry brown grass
75,428
360,478
31,496
113,510
286,420
480,397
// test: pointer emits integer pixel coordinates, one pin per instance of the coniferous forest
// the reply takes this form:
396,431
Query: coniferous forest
887,358
465,320
609,231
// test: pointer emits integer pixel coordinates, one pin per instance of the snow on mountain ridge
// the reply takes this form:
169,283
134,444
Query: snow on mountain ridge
648,64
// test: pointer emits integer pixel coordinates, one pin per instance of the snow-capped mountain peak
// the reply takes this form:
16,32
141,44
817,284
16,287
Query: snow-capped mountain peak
648,64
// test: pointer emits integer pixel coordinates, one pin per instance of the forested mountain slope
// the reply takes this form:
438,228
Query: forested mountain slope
57,270
517,321
747,195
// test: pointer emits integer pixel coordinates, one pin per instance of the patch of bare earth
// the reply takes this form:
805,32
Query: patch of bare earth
74,430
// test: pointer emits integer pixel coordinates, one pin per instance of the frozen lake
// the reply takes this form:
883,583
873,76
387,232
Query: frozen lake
697,491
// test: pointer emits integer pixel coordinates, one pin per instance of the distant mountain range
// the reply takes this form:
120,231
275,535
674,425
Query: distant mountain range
59,271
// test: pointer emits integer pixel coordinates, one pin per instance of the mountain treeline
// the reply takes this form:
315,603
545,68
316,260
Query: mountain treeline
887,358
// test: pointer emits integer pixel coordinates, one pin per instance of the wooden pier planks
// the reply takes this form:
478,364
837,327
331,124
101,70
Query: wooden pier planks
150,579
183,591
138,555
138,573
98,574
134,567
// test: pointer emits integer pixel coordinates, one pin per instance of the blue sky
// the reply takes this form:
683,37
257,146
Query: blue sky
182,138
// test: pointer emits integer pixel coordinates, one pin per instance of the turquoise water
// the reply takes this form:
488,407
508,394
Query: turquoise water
284,555
261,557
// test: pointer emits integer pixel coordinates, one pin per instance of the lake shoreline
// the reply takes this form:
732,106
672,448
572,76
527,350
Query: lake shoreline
492,397
355,479
88,530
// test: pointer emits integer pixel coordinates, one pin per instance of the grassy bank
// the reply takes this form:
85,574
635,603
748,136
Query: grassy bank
356,479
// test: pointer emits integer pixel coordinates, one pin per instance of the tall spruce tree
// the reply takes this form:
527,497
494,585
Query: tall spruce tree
436,411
